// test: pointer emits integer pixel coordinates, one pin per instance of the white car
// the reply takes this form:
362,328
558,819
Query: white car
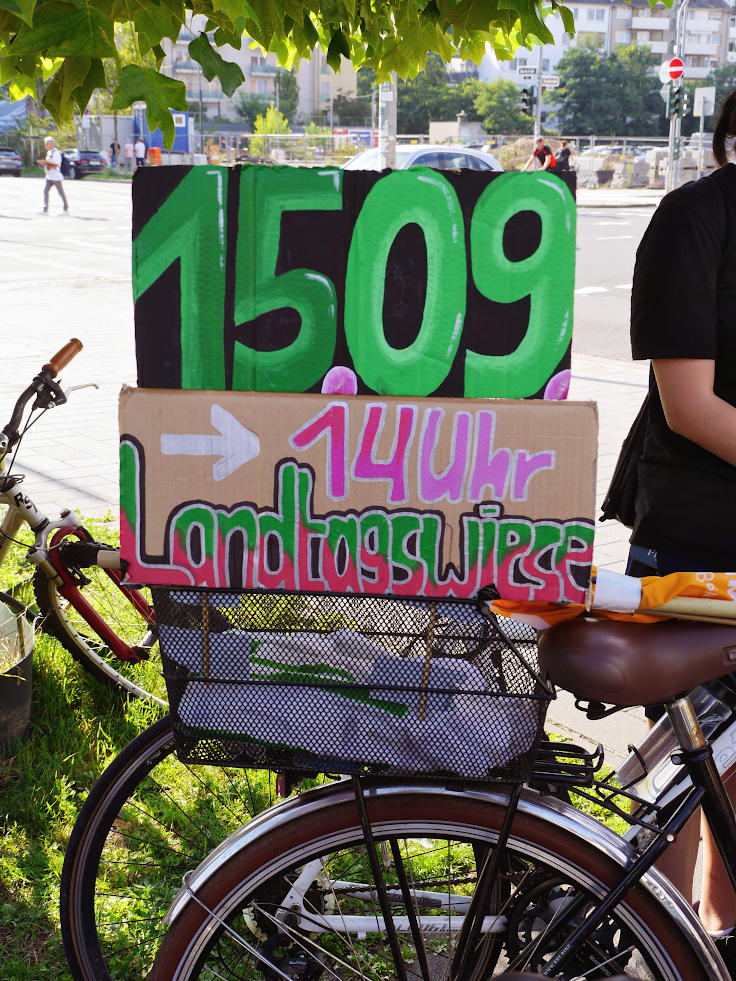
439,156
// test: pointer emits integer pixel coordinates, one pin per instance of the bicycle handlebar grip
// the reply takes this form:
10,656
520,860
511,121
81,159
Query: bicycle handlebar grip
62,358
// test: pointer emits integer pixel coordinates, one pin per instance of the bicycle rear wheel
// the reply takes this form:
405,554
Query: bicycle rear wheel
129,659
147,820
298,899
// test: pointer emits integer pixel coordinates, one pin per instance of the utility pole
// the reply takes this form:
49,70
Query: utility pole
201,123
538,112
672,179
387,123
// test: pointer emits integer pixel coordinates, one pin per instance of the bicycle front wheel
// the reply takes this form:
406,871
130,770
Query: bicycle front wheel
127,657
147,820
299,899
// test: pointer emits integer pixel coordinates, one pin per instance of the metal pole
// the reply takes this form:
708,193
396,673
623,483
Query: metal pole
538,106
201,123
673,166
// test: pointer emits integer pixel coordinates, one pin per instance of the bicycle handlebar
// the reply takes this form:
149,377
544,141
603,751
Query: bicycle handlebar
46,391
62,358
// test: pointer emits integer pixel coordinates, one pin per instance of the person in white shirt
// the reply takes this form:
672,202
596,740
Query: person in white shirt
54,176
140,152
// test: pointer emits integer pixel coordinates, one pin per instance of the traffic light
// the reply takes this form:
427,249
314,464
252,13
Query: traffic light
527,95
674,101
687,102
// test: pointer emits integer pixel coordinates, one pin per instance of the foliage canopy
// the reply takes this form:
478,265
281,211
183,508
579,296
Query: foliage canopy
61,45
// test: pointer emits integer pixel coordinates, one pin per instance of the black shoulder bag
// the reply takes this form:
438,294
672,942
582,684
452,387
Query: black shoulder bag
620,499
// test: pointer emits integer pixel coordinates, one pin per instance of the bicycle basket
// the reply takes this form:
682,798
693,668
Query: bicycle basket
346,684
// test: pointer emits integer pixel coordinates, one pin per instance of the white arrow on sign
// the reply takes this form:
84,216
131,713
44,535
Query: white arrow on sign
235,445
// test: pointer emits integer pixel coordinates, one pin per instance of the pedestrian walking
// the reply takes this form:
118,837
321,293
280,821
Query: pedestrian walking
54,177
129,151
140,153
114,153
683,320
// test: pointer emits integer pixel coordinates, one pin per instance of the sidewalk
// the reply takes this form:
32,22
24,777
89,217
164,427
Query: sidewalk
618,197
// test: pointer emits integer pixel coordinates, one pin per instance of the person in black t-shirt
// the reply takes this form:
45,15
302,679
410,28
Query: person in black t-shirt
542,154
683,319
563,156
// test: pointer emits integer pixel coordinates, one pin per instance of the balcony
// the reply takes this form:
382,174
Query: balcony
702,25
650,23
700,48
661,47
693,72
260,70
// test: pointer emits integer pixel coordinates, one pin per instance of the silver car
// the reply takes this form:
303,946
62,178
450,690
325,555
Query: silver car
11,161
439,156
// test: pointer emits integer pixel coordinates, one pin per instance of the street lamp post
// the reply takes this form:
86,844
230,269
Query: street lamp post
201,123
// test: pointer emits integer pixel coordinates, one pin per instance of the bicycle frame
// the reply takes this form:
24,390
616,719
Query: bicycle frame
44,553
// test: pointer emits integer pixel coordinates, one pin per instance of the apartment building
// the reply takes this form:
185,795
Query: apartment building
709,38
318,84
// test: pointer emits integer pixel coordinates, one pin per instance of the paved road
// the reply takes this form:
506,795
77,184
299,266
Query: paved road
607,242
65,277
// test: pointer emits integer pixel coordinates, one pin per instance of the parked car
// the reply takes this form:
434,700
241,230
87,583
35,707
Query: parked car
439,156
83,162
11,161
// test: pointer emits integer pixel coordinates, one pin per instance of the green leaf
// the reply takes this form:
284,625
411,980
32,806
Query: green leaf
60,95
62,30
213,64
160,93
155,21
568,21
21,8
310,32
338,46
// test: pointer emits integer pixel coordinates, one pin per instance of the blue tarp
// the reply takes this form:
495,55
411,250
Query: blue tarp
12,114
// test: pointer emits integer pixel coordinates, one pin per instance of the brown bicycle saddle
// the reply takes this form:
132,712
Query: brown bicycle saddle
635,663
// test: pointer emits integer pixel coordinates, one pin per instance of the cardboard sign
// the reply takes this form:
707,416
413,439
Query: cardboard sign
416,282
375,495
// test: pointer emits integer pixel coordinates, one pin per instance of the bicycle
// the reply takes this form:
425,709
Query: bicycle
106,626
396,876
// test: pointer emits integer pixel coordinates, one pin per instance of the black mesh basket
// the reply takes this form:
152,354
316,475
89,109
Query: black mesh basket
349,684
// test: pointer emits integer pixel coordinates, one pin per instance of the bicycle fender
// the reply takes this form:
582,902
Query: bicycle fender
309,806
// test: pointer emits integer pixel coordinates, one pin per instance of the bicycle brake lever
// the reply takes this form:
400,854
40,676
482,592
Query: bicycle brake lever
75,388
48,394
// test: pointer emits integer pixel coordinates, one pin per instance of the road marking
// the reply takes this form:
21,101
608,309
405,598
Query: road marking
623,286
611,238
618,223
586,290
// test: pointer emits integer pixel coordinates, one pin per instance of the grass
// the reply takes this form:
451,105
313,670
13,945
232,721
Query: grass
77,726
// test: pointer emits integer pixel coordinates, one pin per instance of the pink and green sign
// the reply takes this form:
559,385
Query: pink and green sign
351,382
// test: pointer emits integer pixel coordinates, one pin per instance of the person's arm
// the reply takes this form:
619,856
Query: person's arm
526,165
691,407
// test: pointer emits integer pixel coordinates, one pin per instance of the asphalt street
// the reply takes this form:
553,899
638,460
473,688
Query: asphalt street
65,277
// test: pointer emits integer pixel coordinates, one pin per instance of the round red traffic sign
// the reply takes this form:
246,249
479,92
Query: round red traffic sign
675,68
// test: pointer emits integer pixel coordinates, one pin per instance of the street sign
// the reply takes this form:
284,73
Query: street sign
665,92
550,81
526,71
669,70
705,99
